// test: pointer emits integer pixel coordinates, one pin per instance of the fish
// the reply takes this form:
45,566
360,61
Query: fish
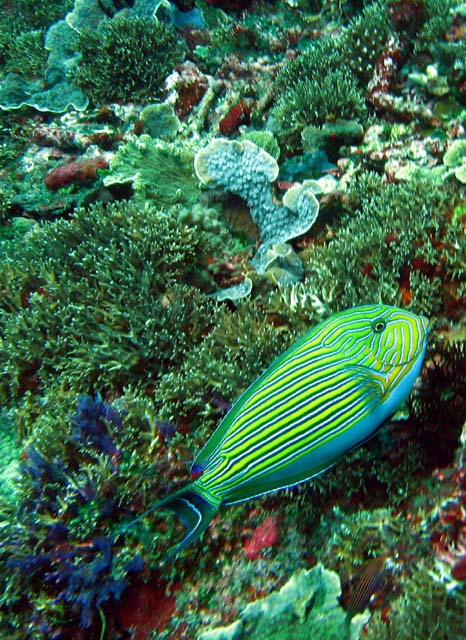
366,585
328,393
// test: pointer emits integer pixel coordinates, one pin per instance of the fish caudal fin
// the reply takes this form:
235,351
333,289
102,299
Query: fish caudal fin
193,509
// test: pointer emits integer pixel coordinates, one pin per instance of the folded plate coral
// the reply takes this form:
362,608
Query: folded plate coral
247,170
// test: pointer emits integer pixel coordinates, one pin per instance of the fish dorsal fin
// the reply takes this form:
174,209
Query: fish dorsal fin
208,451
204,456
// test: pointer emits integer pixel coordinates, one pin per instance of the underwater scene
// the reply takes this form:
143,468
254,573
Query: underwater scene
232,320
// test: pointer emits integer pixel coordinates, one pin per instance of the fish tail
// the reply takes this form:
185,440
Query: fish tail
193,509
193,506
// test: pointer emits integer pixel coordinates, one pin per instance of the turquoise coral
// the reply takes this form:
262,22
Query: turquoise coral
247,170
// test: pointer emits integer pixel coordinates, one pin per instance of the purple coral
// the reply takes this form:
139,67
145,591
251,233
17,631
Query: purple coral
91,424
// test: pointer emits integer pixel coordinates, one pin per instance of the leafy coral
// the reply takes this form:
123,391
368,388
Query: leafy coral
247,170
126,59
158,171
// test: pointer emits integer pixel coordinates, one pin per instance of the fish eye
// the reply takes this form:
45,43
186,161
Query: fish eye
379,325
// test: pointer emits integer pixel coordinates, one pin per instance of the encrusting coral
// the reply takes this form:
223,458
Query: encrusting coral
307,604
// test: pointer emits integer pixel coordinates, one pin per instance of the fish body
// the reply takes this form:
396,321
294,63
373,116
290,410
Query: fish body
365,585
328,393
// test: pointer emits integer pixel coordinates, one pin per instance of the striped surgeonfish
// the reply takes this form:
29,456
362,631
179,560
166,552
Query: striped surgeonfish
328,393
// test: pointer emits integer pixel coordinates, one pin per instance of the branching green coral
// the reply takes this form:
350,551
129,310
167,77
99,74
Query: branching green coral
126,59
396,245
365,38
439,16
9,456
27,55
6,202
426,610
22,16
314,101
315,88
100,298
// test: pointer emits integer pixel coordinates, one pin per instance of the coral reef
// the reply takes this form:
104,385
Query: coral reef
160,121
313,89
132,315
365,38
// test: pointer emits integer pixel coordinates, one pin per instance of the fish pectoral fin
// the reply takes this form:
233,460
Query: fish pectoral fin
371,384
